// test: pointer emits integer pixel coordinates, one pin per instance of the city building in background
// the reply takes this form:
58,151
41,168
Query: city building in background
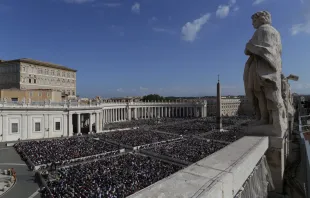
29,74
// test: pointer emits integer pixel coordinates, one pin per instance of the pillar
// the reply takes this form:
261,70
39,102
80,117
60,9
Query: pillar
70,126
97,122
5,131
128,113
78,123
23,126
90,123
117,115
135,113
65,125
49,126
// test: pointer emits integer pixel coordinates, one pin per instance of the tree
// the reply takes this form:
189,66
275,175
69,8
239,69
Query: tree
152,97
156,97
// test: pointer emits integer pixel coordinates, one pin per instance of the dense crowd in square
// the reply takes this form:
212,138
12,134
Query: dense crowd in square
137,137
142,123
229,135
189,149
112,177
189,127
57,150
184,140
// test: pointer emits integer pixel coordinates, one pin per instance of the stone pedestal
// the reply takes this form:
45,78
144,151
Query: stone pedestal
277,152
276,157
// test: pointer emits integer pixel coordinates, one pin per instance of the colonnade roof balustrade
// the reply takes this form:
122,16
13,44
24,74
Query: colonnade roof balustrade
94,104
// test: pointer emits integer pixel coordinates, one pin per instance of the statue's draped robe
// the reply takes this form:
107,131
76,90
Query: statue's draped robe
263,69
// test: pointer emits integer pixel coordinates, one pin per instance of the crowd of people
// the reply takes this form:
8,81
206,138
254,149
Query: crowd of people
141,123
189,150
112,177
230,135
124,174
136,137
190,127
57,150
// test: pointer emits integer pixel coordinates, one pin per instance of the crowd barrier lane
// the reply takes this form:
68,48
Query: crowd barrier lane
184,163
157,143
122,129
36,168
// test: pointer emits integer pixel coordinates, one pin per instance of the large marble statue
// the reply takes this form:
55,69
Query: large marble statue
262,74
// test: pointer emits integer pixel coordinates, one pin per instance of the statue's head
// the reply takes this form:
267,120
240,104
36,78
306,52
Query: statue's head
261,18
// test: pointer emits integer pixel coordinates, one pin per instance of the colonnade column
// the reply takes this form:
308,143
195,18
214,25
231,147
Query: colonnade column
97,122
135,113
70,125
78,123
145,112
128,113
5,131
90,123
117,114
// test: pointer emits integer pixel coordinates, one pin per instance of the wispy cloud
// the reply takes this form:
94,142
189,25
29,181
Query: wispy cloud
257,2
153,19
236,8
112,5
163,30
78,1
120,90
135,8
302,27
190,29
223,10
143,89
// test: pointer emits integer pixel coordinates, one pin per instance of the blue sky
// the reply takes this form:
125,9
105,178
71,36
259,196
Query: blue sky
169,47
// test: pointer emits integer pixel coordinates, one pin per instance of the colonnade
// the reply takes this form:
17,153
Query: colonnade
122,114
85,121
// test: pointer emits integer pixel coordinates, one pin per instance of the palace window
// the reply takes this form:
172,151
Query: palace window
37,126
14,127
29,80
57,126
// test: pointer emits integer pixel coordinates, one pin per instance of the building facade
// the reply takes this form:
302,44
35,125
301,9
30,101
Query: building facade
30,120
28,74
17,95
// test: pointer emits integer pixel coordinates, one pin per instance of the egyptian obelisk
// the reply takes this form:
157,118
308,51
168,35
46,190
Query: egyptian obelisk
218,106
